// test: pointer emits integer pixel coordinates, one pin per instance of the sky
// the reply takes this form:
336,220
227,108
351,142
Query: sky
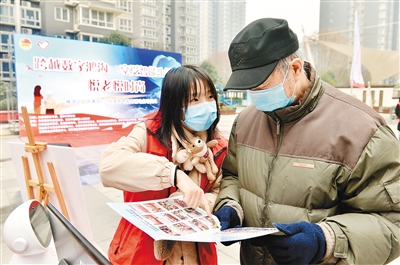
304,13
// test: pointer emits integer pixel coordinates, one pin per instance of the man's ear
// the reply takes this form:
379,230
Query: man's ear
297,67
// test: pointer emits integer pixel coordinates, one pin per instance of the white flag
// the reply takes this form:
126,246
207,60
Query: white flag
356,78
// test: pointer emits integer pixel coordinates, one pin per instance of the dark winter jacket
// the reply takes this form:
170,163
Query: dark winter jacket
332,159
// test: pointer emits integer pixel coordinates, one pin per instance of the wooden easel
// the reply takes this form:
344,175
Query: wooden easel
40,186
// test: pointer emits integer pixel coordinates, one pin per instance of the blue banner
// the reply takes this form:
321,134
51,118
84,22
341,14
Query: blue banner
86,85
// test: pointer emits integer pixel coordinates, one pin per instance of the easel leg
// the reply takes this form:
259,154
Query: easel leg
27,174
57,189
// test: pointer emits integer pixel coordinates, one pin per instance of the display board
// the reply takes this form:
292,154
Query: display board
86,86
66,168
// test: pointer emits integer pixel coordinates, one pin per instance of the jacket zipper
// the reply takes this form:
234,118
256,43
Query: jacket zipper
278,133
278,126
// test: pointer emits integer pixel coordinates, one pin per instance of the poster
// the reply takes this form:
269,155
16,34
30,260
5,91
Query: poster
172,219
87,86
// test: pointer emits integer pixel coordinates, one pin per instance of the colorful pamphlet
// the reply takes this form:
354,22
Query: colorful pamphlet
172,219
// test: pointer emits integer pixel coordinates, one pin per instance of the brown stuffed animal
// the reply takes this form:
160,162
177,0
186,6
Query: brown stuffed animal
202,157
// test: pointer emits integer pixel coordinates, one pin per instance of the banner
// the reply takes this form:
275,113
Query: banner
356,78
84,86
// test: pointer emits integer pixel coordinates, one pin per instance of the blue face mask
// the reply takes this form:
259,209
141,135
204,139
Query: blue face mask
200,117
271,99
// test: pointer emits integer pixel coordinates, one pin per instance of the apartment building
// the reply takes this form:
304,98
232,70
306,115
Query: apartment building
378,23
196,29
220,22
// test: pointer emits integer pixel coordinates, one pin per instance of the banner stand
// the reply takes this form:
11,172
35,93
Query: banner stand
40,186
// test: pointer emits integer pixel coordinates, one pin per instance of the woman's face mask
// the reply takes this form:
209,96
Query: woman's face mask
201,116
273,98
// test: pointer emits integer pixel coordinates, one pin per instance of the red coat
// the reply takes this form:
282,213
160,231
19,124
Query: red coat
131,245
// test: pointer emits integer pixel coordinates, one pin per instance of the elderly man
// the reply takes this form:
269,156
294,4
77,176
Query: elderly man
316,163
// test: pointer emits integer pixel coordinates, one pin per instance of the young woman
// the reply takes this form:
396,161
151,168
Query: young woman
144,166
37,99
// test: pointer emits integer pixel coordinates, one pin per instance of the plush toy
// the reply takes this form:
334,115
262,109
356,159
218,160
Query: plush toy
203,159
198,154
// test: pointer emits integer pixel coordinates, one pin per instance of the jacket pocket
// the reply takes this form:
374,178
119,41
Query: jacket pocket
393,190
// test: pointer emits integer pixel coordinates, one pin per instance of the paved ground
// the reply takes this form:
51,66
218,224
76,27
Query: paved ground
103,220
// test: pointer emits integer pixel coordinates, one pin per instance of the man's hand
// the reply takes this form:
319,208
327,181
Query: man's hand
304,243
228,217
193,195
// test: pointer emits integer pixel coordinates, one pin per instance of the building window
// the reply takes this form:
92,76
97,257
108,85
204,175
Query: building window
125,24
6,42
191,21
62,37
125,5
191,11
149,22
85,16
191,60
149,33
190,31
149,44
89,38
149,11
191,50
30,17
7,14
97,18
6,68
191,40
61,14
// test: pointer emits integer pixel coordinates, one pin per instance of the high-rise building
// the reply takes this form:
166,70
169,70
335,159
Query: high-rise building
220,21
378,23
196,29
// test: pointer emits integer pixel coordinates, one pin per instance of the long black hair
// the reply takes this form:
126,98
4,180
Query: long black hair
178,85
36,92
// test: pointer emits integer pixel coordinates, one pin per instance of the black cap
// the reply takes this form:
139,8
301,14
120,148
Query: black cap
257,49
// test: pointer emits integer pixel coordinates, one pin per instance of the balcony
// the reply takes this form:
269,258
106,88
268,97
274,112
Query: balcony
73,31
105,7
71,3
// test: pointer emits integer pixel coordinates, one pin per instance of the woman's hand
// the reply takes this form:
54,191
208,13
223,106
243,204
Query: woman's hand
193,195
